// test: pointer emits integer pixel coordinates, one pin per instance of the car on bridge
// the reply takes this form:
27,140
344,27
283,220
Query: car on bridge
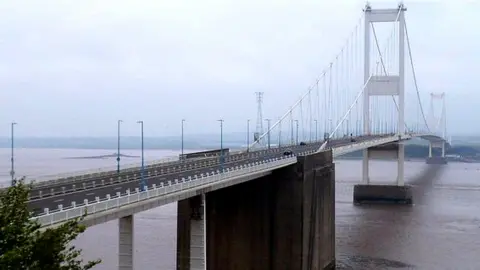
303,143
288,152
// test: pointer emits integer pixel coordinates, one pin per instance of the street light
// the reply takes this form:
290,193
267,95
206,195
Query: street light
268,132
316,130
330,126
142,172
279,133
118,145
248,135
348,129
221,143
296,122
183,121
291,132
12,171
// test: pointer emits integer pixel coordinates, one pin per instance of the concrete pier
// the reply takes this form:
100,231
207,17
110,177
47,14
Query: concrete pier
382,194
282,221
191,234
436,160
125,243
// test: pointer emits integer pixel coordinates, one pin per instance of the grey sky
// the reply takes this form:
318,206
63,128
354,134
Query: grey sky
72,68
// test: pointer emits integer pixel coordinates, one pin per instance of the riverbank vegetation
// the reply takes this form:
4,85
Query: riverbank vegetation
24,245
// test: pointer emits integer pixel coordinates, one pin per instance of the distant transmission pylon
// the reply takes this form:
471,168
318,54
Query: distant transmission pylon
259,128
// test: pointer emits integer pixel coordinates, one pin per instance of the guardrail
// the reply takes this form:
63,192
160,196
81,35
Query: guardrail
102,172
126,167
150,166
67,187
338,151
100,205
158,170
44,180
61,214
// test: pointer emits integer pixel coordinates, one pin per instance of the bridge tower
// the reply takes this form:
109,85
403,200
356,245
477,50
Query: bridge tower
438,126
384,85
259,126
388,84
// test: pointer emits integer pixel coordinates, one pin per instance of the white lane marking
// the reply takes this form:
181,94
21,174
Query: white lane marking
117,188
90,194
59,200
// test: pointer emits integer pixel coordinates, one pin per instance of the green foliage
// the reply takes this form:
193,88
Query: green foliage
24,245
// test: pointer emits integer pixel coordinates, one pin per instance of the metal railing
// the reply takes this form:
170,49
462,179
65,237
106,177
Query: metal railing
45,180
178,185
60,186
77,176
67,187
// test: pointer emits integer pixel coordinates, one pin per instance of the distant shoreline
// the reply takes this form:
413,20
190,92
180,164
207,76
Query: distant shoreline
102,156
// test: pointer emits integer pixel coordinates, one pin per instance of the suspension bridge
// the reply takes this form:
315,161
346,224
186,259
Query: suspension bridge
368,98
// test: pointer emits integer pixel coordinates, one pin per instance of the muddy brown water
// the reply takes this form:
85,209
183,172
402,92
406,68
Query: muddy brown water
440,231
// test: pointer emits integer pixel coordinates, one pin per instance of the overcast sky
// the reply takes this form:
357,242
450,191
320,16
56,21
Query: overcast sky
72,68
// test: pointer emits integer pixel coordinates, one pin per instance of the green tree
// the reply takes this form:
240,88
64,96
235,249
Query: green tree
25,246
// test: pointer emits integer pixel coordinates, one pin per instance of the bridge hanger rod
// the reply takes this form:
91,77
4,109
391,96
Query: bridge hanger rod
309,89
415,76
346,114
355,101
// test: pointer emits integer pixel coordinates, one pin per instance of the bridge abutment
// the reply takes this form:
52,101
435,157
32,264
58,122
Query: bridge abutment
282,221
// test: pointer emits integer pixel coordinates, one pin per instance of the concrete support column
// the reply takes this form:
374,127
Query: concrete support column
191,234
430,150
399,193
197,235
401,165
365,172
443,149
125,243
285,220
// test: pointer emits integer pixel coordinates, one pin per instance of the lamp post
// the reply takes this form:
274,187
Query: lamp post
142,172
12,160
348,129
118,145
316,130
221,143
296,123
279,133
183,121
291,132
268,132
330,126
248,135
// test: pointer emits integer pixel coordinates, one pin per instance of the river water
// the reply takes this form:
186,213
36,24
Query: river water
441,230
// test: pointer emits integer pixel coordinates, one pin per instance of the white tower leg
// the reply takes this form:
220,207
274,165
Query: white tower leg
385,85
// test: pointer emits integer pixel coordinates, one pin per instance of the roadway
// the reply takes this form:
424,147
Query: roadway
95,188
162,168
